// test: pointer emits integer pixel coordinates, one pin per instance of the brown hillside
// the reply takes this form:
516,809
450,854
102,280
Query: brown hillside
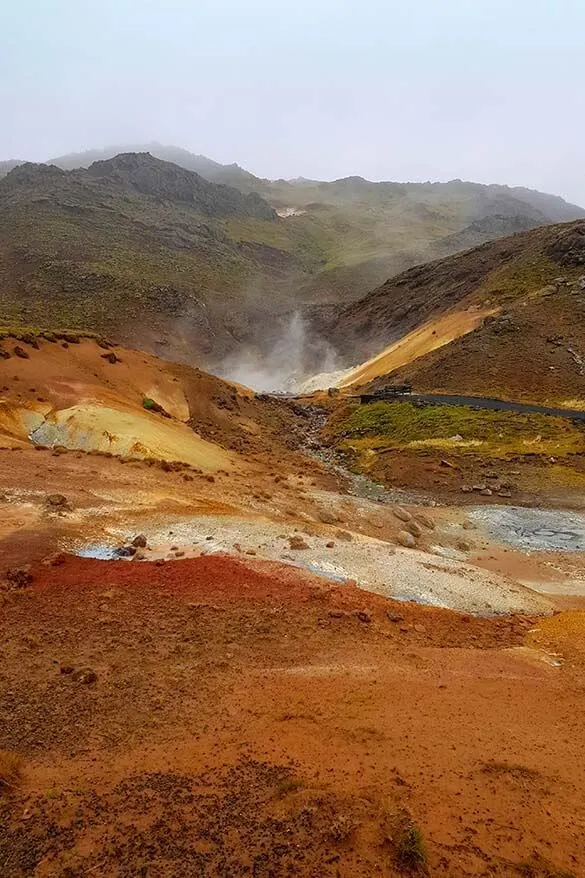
530,345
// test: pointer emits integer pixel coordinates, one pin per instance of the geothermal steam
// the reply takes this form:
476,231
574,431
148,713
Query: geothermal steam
290,366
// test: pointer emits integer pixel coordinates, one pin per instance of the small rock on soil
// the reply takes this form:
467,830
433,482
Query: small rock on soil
406,539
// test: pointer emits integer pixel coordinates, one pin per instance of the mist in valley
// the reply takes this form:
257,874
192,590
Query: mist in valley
299,360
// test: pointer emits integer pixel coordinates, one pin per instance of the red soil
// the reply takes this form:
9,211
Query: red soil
251,719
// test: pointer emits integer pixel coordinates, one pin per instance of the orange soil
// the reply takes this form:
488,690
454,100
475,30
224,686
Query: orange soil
253,719
428,337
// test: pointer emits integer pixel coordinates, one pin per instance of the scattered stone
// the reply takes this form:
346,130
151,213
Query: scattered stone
19,577
406,539
5,355
364,616
424,520
465,489
297,542
394,617
139,556
448,464
125,551
66,669
463,545
210,478
420,629
111,357
486,492
414,528
337,614
479,488
20,352
505,494
401,513
179,554
85,676
344,535
492,475
329,545
57,501
250,551
326,517
140,541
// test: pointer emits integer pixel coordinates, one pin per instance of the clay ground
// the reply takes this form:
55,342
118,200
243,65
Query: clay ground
226,715
247,718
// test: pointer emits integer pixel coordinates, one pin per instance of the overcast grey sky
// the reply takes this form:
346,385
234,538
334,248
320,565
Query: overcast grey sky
485,90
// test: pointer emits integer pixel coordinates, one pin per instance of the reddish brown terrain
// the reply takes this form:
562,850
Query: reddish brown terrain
217,717
226,711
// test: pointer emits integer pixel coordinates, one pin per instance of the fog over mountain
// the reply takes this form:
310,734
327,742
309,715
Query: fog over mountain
484,91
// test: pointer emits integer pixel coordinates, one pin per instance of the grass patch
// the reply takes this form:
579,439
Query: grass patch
409,849
399,424
10,770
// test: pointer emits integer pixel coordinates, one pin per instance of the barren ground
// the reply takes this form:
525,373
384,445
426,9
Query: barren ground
216,709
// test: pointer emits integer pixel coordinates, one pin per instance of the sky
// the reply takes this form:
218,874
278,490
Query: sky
483,90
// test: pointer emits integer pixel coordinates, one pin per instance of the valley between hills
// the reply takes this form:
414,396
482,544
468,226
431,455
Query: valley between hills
292,531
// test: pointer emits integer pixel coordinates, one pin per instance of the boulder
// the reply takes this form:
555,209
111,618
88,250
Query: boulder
140,541
57,501
406,539
424,520
414,528
344,535
326,517
401,513
110,357
297,542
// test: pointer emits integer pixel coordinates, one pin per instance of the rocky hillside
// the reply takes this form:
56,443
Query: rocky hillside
504,319
155,255
357,233
231,175
145,251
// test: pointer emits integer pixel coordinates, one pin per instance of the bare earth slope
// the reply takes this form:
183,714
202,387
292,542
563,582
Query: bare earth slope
471,323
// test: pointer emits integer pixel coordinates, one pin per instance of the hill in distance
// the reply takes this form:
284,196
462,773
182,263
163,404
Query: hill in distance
357,233
144,250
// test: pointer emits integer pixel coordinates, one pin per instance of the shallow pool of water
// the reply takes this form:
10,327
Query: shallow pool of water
537,530
98,550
